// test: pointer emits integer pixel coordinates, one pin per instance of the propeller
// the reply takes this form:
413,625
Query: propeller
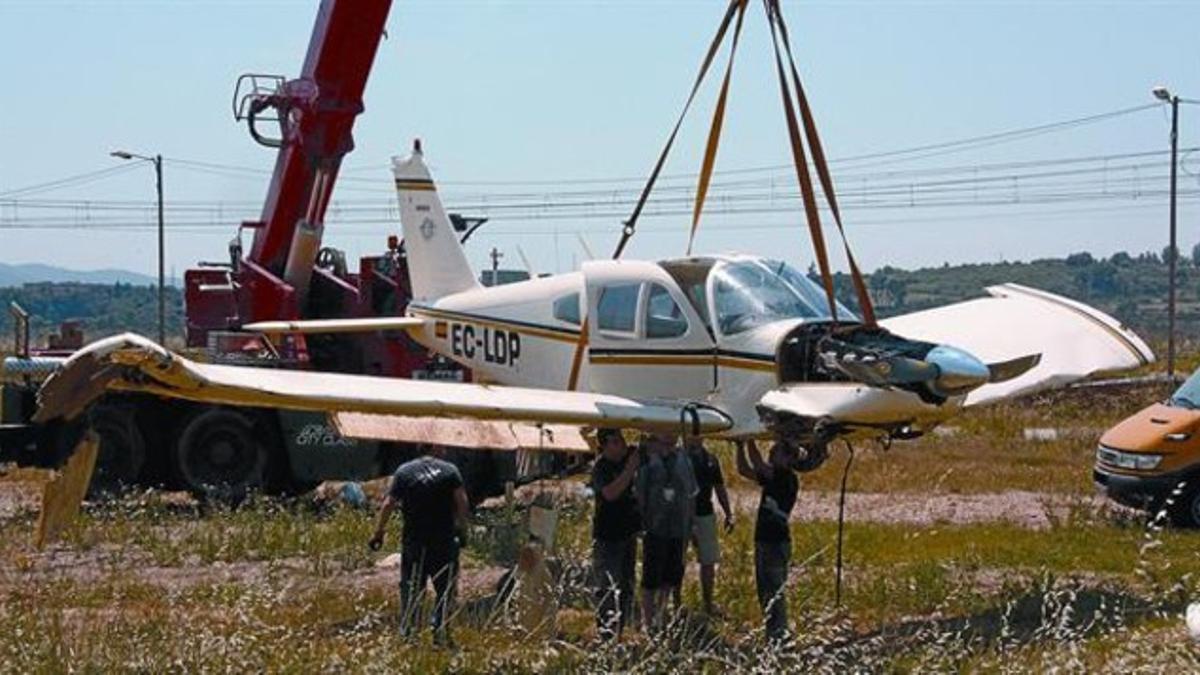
1008,370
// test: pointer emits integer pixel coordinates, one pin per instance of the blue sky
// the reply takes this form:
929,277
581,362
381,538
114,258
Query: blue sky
537,95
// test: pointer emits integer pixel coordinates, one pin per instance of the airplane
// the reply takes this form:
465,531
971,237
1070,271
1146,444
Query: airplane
732,346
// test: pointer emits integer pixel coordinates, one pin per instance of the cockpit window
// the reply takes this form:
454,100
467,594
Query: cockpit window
752,293
566,309
664,318
617,308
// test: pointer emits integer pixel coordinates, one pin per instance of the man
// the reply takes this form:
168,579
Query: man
433,501
772,540
666,489
704,526
614,530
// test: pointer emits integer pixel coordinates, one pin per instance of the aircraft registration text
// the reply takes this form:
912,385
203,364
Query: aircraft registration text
491,345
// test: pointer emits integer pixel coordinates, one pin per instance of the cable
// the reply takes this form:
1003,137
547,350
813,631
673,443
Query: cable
985,140
71,181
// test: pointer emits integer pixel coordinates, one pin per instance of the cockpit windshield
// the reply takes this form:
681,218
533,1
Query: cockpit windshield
754,292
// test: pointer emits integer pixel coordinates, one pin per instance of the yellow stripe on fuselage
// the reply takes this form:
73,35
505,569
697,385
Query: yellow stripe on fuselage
570,337
415,185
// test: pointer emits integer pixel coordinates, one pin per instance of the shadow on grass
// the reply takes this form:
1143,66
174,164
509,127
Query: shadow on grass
1034,616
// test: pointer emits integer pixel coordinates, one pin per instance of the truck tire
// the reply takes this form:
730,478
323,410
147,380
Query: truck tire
218,454
122,454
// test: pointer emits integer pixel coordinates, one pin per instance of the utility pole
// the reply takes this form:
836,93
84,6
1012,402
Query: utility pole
162,246
162,239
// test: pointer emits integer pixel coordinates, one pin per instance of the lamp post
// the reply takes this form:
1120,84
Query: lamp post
1163,94
162,298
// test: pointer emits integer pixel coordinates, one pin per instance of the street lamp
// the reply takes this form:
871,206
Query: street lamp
162,301
1163,94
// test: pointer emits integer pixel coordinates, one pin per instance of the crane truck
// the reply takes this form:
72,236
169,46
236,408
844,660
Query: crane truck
287,274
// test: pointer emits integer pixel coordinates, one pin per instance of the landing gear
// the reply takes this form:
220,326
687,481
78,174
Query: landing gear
218,454
122,454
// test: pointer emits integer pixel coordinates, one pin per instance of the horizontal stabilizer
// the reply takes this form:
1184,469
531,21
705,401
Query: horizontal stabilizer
321,326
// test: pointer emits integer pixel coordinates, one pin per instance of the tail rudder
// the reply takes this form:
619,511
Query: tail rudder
437,264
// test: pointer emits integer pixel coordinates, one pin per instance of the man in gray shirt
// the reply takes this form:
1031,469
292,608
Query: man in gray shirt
666,490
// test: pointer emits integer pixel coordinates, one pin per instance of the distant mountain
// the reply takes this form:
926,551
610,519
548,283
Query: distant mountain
17,275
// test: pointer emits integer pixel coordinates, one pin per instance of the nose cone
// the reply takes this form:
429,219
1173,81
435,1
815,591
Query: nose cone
958,371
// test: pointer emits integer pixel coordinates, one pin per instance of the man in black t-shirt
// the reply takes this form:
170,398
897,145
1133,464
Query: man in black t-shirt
709,479
772,539
433,501
614,530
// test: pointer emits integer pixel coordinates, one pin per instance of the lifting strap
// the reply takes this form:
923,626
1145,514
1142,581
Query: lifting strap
714,132
775,18
802,175
735,6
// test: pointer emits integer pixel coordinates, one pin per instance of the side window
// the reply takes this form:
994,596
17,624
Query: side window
617,308
664,318
566,309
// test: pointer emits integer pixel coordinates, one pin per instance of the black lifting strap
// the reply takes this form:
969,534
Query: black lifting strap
631,225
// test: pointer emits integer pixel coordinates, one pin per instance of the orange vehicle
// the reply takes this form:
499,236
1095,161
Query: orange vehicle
1155,453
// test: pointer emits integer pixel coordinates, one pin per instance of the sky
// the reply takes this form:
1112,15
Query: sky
539,103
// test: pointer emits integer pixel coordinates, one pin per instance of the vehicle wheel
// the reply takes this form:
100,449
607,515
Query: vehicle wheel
122,453
1185,512
218,454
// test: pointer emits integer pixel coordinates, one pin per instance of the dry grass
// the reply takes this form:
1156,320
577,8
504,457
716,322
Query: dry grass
146,586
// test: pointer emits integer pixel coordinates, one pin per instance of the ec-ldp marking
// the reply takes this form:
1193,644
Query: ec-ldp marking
492,345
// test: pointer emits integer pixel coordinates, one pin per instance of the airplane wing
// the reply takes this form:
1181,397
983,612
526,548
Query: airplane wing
132,363
1065,340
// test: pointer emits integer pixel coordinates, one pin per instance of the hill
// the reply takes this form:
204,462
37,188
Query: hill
16,275
105,309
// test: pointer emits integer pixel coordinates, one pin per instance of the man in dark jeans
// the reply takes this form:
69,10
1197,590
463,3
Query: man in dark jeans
614,530
433,501
772,540
666,490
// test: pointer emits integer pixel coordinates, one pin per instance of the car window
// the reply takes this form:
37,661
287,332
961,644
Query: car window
617,308
664,318
566,309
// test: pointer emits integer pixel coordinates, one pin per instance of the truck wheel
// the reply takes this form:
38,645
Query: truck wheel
218,455
1185,512
122,449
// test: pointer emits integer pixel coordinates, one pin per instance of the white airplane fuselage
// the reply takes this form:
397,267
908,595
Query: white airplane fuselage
631,328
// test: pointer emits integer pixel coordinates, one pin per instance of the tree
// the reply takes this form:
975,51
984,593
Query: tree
1082,259
1123,259
1168,254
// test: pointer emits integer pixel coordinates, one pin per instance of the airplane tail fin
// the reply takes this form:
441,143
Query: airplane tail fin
437,264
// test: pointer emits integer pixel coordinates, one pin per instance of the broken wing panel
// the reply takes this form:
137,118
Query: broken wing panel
133,363
1073,339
